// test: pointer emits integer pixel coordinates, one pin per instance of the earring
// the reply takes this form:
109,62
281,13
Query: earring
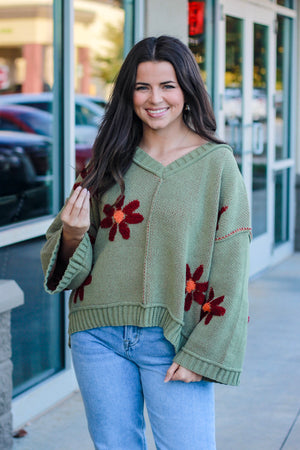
187,107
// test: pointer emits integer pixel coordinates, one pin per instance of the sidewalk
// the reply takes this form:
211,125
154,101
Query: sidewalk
263,413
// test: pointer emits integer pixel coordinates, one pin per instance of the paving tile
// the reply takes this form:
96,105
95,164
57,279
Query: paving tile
293,439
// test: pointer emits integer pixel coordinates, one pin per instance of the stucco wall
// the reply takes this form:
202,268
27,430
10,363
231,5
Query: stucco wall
167,17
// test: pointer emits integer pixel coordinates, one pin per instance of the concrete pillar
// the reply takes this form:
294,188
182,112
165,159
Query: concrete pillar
33,55
11,296
167,17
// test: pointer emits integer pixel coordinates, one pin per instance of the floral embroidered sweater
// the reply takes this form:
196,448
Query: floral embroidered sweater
172,252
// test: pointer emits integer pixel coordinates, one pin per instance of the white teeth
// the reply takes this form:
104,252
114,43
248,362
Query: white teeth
157,111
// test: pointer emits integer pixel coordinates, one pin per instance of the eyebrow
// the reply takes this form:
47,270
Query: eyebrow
164,82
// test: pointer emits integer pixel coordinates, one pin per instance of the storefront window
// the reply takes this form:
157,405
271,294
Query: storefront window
282,206
26,183
99,52
26,77
287,3
283,88
233,98
259,129
37,327
201,38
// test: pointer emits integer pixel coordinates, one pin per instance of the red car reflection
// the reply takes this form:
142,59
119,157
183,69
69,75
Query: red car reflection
33,120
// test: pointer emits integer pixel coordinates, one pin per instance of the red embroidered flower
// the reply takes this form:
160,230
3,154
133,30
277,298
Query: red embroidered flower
222,210
80,291
194,291
211,307
120,217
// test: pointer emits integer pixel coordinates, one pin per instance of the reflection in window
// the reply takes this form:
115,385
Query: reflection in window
201,38
37,326
287,3
234,85
99,49
281,231
26,69
283,88
259,129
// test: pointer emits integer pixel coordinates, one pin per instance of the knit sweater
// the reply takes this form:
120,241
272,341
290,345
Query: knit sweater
172,252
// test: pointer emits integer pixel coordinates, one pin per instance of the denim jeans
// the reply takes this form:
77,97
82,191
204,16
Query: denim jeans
117,368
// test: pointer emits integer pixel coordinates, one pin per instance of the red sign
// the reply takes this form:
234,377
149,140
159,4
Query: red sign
196,18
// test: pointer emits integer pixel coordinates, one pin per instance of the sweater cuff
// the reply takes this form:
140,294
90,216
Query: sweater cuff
209,370
80,262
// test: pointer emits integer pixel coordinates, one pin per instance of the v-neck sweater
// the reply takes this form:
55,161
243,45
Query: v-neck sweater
172,252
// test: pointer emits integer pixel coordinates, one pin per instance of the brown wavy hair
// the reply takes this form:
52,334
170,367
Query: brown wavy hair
121,130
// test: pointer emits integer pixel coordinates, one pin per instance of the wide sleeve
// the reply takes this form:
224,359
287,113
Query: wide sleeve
215,349
79,265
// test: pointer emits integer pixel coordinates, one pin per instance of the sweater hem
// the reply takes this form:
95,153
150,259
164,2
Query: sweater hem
129,314
210,370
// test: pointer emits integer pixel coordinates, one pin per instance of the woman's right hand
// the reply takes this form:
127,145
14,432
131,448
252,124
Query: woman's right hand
76,216
76,222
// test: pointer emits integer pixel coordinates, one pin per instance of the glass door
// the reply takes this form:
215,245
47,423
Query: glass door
246,116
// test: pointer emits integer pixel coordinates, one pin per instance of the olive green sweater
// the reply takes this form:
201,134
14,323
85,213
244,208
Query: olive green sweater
172,252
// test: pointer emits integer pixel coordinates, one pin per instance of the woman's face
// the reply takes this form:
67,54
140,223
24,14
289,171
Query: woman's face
158,99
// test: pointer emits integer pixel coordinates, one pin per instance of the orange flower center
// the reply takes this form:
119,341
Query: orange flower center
206,307
190,285
119,215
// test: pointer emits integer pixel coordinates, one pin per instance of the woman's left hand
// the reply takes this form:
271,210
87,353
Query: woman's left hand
179,373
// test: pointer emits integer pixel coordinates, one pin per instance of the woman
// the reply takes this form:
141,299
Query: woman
154,244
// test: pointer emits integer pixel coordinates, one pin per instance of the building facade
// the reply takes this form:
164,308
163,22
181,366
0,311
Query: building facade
58,60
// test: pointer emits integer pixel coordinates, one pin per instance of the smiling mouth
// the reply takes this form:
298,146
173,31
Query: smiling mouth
156,112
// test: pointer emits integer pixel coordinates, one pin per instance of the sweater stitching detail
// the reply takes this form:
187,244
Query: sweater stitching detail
208,361
234,232
124,305
144,160
148,237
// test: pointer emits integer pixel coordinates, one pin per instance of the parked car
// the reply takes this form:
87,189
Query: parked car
26,119
25,176
87,114
37,148
15,117
99,101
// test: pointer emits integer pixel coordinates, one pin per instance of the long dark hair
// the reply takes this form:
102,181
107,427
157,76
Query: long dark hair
121,130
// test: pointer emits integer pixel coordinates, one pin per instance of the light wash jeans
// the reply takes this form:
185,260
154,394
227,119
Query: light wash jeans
116,368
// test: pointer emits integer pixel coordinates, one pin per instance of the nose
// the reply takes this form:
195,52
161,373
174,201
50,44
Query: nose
156,96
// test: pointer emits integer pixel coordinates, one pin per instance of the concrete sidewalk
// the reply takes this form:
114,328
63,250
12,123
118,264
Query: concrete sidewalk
263,413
